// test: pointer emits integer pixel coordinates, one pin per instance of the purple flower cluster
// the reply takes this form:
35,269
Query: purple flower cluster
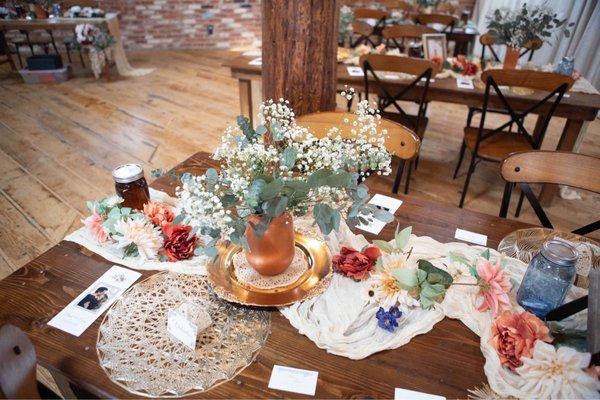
388,320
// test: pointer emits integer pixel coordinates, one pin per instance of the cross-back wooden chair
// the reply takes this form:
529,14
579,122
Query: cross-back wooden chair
449,21
446,8
415,91
487,41
496,144
366,31
555,167
397,34
403,5
401,141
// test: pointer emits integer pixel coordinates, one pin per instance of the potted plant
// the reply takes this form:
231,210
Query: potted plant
517,28
280,171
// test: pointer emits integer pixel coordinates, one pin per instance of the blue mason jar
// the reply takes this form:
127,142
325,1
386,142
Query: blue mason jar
548,278
566,66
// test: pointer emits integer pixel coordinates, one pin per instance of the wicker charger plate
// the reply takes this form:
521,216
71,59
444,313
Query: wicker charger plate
138,354
314,281
524,244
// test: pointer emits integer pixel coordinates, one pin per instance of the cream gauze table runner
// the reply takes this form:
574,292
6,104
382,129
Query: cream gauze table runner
342,319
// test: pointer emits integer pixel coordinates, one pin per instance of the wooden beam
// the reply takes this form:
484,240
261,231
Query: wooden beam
299,42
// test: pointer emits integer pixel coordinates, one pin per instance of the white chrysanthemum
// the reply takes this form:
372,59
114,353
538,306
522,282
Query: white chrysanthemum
384,285
142,233
557,374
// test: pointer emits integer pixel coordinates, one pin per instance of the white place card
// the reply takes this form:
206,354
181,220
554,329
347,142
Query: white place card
464,83
256,61
403,394
76,317
182,329
387,203
468,236
294,380
355,71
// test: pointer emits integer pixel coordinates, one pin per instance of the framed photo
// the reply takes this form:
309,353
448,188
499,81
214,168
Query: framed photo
434,46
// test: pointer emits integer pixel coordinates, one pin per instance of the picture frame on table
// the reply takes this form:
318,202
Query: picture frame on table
435,46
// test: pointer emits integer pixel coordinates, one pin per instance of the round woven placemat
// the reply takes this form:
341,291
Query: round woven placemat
524,244
139,355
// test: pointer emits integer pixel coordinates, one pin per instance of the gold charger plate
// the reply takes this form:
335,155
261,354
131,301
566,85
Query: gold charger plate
524,244
311,283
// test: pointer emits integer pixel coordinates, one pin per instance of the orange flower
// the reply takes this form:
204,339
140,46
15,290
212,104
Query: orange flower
159,213
514,335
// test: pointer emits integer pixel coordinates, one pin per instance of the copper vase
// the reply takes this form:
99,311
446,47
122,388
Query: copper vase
271,253
511,57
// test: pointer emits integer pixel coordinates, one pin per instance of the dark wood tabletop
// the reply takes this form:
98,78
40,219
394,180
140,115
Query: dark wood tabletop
446,361
577,106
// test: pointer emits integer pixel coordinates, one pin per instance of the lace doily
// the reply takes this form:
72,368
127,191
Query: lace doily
248,275
139,355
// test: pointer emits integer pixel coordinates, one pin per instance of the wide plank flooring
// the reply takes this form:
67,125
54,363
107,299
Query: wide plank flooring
59,143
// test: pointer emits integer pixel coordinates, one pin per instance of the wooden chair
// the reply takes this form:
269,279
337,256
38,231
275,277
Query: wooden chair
446,8
404,6
360,27
555,167
401,142
487,41
449,21
18,364
416,89
394,33
496,144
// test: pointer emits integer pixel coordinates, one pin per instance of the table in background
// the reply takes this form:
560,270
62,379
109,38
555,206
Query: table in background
110,21
577,108
445,361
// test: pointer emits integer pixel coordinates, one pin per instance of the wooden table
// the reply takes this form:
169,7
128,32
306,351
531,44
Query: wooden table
445,361
577,108
110,21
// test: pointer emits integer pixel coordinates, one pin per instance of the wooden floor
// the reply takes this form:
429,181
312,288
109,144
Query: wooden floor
59,143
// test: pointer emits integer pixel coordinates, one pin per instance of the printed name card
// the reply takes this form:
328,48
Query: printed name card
468,236
294,380
256,61
380,201
182,329
464,83
403,394
76,317
355,71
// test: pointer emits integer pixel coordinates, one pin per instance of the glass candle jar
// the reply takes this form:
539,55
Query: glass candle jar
131,185
548,278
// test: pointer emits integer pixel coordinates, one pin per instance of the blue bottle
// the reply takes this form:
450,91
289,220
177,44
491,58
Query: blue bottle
548,278
566,66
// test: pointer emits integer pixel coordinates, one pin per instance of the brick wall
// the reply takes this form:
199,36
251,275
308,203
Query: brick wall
184,23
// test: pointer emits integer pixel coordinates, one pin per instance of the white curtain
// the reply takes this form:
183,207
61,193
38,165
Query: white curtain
582,44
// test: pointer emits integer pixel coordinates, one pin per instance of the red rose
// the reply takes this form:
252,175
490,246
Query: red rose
354,263
179,244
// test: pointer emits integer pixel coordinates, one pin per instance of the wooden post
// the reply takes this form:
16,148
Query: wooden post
299,45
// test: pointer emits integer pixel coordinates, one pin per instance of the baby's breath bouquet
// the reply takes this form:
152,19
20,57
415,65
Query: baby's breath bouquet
282,167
